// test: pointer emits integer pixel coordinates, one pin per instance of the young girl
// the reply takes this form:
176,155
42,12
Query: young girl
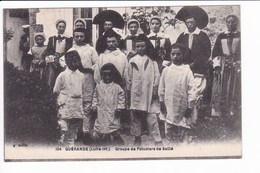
68,87
37,51
127,45
108,101
143,83
177,95
79,23
160,41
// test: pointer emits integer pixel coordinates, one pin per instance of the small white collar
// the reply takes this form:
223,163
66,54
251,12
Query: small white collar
129,35
228,32
183,66
71,72
196,31
85,45
159,34
115,52
62,35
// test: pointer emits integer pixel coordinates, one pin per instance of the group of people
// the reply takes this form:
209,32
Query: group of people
145,77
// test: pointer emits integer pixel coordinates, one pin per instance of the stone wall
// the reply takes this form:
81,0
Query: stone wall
12,52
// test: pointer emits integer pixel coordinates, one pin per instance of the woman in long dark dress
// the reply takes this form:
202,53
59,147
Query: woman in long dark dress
226,92
58,45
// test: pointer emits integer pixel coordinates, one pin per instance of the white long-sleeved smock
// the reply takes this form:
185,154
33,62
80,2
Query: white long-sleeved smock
178,91
69,86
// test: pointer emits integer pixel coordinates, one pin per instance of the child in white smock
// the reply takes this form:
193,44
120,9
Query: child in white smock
177,95
68,87
108,101
143,83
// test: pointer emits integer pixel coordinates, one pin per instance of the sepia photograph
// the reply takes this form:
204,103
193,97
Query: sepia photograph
122,83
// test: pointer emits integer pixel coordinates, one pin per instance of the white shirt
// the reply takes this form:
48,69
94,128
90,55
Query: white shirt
69,86
87,53
69,83
177,90
117,58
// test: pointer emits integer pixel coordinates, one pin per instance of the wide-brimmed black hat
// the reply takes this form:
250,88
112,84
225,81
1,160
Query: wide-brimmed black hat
196,12
109,15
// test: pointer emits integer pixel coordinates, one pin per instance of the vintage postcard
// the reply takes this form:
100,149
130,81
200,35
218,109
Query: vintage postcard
119,83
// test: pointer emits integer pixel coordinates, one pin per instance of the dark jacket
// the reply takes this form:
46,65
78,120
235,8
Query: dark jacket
122,44
200,51
52,45
218,51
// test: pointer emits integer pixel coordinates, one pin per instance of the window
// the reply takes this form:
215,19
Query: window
86,13
21,13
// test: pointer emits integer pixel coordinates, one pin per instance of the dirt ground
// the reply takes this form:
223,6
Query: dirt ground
208,129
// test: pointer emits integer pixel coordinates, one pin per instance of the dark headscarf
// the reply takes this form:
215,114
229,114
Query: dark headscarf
102,42
150,51
71,54
116,76
111,33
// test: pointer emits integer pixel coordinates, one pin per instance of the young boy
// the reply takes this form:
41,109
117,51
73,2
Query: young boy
37,51
107,25
143,80
177,95
108,101
68,87
112,55
88,57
